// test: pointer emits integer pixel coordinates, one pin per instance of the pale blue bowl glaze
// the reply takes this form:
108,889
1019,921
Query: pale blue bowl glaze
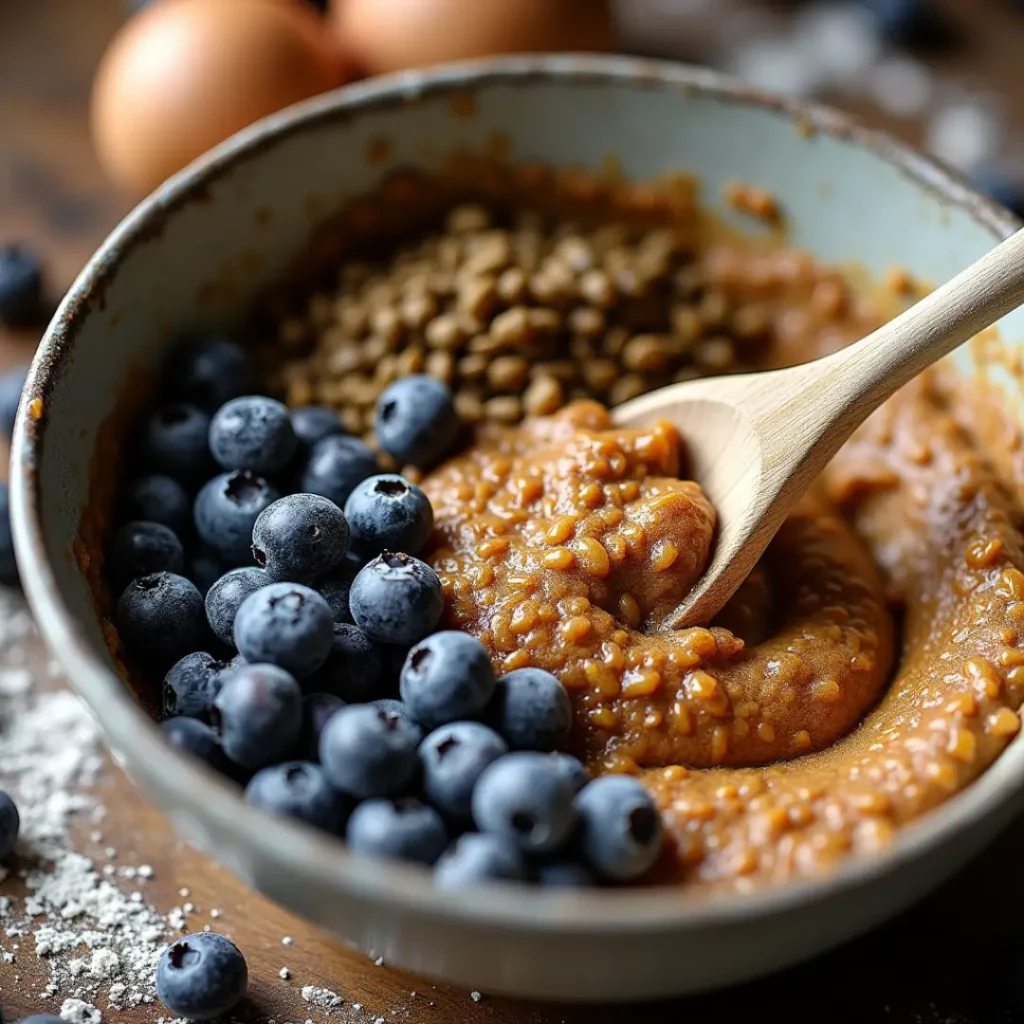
194,252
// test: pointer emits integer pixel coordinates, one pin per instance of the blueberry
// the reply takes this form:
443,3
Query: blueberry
317,709
531,710
313,423
572,768
334,591
21,286
387,513
285,624
369,752
396,599
157,498
226,510
446,677
8,565
352,669
204,569
259,709
335,465
10,823
525,797
415,420
192,684
225,597
563,874
201,976
208,373
161,618
452,758
395,707
620,828
300,538
300,790
174,442
12,383
196,738
141,548
477,858
253,432
912,23
397,829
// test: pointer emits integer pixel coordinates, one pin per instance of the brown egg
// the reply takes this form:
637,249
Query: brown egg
184,74
388,35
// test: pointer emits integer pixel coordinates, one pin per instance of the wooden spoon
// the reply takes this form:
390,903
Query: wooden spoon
757,440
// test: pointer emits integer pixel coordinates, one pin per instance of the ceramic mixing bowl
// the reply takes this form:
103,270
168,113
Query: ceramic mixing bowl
193,254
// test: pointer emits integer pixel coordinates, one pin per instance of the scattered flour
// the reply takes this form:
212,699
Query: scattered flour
323,998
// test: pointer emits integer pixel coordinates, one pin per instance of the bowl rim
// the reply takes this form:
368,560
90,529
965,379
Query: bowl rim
323,861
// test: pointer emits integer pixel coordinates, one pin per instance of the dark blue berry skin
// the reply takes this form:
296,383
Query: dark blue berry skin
335,589
620,829
298,789
10,824
12,383
192,684
141,548
226,510
447,677
531,710
301,538
352,669
563,874
367,751
317,709
335,465
396,599
8,564
201,976
253,432
208,373
21,286
259,708
476,859
196,738
225,597
572,768
527,799
452,758
388,513
156,498
285,624
397,830
174,442
204,569
161,618
313,423
415,420
395,707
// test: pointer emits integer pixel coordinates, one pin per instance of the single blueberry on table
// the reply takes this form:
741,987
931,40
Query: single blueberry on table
368,751
572,768
259,712
313,423
352,669
317,710
403,829
526,798
21,286
201,976
396,599
192,684
253,432
415,420
8,564
285,624
531,710
208,372
140,548
300,538
10,824
226,510
298,789
447,677
335,465
174,442
196,738
157,498
388,513
452,759
204,569
161,618
225,597
477,858
12,383
620,829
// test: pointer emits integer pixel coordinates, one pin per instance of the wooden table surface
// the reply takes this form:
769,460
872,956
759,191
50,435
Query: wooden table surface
939,964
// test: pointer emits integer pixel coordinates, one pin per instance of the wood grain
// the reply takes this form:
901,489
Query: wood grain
936,965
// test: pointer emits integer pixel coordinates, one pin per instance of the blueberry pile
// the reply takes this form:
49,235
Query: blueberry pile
268,571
